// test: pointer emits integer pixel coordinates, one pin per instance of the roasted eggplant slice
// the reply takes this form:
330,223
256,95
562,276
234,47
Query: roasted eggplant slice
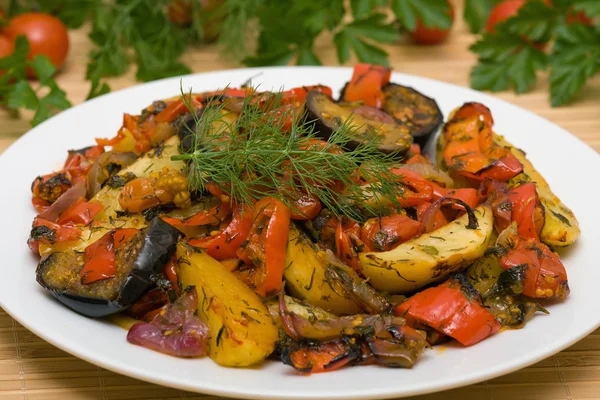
412,109
143,256
329,116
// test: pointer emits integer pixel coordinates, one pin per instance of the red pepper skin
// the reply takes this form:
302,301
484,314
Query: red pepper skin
447,309
366,84
267,243
175,109
545,274
212,216
122,236
469,148
99,260
388,232
226,244
80,213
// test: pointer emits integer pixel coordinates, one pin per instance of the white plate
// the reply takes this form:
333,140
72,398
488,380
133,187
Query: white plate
567,163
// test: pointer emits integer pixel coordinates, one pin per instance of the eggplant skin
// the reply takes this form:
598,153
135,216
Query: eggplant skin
421,114
329,116
142,257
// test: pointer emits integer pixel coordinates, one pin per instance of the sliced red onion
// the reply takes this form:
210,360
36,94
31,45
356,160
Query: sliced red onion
285,315
430,172
374,114
428,218
361,292
176,331
98,174
350,325
66,200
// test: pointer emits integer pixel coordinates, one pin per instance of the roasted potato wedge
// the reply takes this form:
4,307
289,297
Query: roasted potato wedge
561,228
313,275
242,332
154,160
430,257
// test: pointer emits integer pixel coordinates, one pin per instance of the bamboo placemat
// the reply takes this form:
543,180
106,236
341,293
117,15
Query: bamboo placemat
31,369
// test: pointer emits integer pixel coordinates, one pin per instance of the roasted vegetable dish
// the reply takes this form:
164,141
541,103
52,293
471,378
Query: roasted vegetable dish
246,225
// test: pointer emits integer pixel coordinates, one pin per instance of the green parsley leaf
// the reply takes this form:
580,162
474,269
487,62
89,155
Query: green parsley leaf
22,96
535,21
373,27
506,61
476,13
362,8
306,56
433,13
15,64
575,59
97,89
43,68
590,8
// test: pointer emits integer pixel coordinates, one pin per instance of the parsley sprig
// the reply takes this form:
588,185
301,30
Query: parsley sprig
16,92
512,57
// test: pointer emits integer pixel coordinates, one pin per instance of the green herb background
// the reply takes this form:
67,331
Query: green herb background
280,32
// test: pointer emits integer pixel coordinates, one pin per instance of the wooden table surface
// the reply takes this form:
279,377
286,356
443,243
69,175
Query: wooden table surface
33,369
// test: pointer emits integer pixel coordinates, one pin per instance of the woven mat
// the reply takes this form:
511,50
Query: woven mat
32,369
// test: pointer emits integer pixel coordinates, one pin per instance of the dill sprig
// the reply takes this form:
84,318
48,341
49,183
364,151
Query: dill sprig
254,156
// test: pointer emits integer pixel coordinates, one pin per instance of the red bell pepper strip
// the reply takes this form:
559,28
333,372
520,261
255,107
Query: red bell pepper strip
388,232
419,189
469,148
298,95
347,238
175,109
122,236
78,164
39,204
212,216
305,207
366,83
545,274
80,213
440,219
226,244
323,357
266,244
62,233
450,309
171,274
99,260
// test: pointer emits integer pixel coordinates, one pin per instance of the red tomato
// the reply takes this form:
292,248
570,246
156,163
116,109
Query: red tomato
181,12
47,36
425,35
502,12
6,49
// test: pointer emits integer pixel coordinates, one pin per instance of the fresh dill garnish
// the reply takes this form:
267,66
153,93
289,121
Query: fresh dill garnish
256,156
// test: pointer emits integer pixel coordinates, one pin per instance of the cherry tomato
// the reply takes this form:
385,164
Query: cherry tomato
6,49
425,35
46,34
181,12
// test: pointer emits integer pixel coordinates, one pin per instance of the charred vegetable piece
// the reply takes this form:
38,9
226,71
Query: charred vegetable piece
453,308
321,279
366,83
410,108
321,357
136,261
512,311
329,117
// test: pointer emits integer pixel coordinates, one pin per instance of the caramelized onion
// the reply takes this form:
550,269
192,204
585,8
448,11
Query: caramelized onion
429,215
66,200
98,173
176,331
